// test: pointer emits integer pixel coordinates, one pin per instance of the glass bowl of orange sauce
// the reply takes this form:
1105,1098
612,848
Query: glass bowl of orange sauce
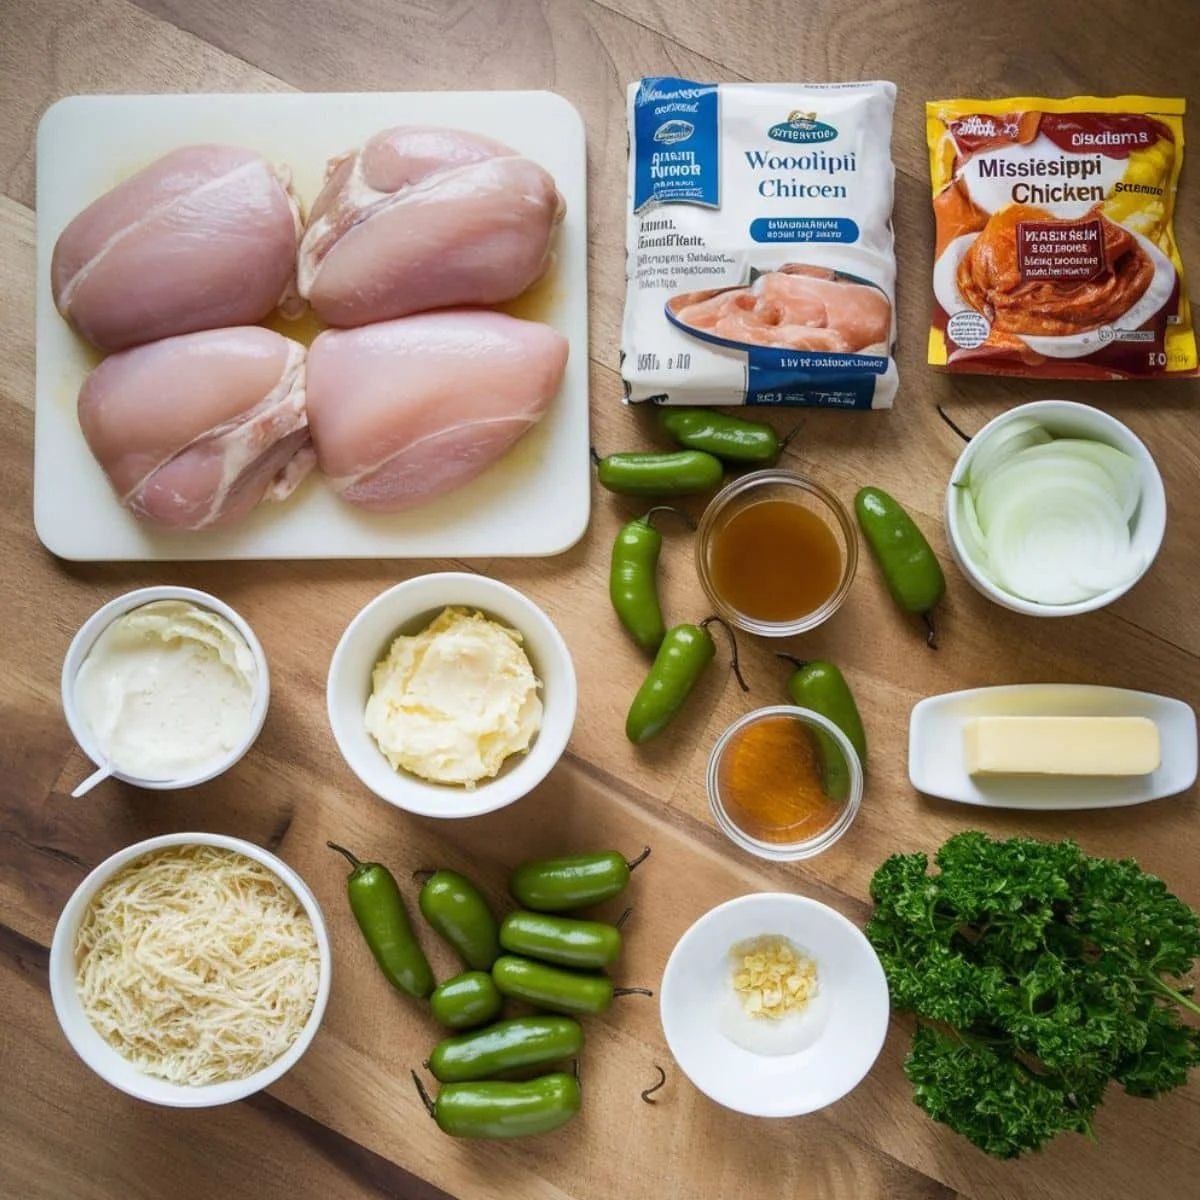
776,553
784,783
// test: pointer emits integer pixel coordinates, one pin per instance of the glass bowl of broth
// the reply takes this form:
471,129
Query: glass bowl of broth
784,783
776,553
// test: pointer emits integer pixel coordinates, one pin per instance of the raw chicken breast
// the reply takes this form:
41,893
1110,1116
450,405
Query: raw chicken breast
204,237
424,218
407,410
194,431
797,308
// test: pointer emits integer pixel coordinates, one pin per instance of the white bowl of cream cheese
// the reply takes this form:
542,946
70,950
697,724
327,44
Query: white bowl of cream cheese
474,683
166,686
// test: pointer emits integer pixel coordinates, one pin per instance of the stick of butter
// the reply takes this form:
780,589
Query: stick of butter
1061,746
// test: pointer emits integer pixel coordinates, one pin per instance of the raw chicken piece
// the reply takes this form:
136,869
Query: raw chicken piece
407,410
424,218
205,237
194,431
798,308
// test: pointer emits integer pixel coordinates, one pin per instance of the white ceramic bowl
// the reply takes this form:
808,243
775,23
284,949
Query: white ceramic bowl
407,608
107,1062
822,1054
100,620
1065,418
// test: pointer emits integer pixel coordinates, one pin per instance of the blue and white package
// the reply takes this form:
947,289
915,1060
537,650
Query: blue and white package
759,256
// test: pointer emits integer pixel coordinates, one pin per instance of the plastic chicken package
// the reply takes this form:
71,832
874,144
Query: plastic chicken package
1055,255
760,265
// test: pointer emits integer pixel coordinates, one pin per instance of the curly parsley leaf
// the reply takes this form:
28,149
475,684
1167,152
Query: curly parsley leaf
1045,972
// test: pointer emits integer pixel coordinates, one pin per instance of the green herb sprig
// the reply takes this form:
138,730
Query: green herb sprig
1037,973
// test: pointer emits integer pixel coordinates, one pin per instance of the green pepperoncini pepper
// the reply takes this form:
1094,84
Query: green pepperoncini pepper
456,908
685,651
910,568
633,581
575,881
822,688
733,439
378,908
513,1045
500,1109
649,473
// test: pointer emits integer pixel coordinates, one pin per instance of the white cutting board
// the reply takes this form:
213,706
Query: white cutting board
534,501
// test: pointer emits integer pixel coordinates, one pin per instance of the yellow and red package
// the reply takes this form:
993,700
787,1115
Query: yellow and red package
1055,255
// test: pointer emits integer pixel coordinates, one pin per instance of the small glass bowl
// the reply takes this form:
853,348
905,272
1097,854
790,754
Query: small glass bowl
807,847
779,485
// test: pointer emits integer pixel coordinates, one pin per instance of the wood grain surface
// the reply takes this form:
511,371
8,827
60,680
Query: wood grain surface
345,1122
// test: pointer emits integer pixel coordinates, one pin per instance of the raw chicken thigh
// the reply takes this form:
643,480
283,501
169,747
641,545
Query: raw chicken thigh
424,218
194,431
407,410
204,237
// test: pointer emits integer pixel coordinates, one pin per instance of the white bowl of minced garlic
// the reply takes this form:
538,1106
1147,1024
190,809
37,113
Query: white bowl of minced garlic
451,695
774,1005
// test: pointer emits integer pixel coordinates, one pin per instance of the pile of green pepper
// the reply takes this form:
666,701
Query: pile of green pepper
709,440
552,961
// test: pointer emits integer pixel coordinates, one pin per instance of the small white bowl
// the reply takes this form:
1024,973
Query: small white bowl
817,1056
407,608
110,1065
1065,418
100,620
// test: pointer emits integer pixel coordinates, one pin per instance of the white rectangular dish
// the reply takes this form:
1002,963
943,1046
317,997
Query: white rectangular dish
534,501
937,759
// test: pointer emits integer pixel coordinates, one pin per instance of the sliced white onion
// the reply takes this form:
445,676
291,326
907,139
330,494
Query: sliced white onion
1060,543
1030,472
1017,435
1122,470
1049,519
974,540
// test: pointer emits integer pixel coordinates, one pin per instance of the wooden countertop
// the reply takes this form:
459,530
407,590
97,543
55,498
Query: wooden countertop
346,1122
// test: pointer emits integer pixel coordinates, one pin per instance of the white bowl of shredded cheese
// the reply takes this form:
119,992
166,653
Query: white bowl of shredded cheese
137,960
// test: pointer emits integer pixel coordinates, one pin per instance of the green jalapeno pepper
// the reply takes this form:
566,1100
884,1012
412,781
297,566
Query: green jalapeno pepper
649,473
454,906
577,881
379,910
822,688
910,568
497,1109
465,1001
685,651
633,581
733,439
555,988
567,941
513,1045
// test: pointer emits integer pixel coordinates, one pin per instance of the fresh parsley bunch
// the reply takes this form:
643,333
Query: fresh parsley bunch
1038,973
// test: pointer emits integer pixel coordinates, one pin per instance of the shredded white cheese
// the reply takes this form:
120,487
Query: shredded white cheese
197,964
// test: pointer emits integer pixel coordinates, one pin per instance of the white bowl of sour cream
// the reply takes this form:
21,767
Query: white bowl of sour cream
410,610
167,686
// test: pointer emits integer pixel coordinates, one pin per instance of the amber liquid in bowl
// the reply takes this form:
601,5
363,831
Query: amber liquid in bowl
775,560
771,785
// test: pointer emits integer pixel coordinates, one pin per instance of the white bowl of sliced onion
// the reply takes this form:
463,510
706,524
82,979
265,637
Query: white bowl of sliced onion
190,970
1055,509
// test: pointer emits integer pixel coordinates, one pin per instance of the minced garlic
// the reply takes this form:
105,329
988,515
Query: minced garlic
771,977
